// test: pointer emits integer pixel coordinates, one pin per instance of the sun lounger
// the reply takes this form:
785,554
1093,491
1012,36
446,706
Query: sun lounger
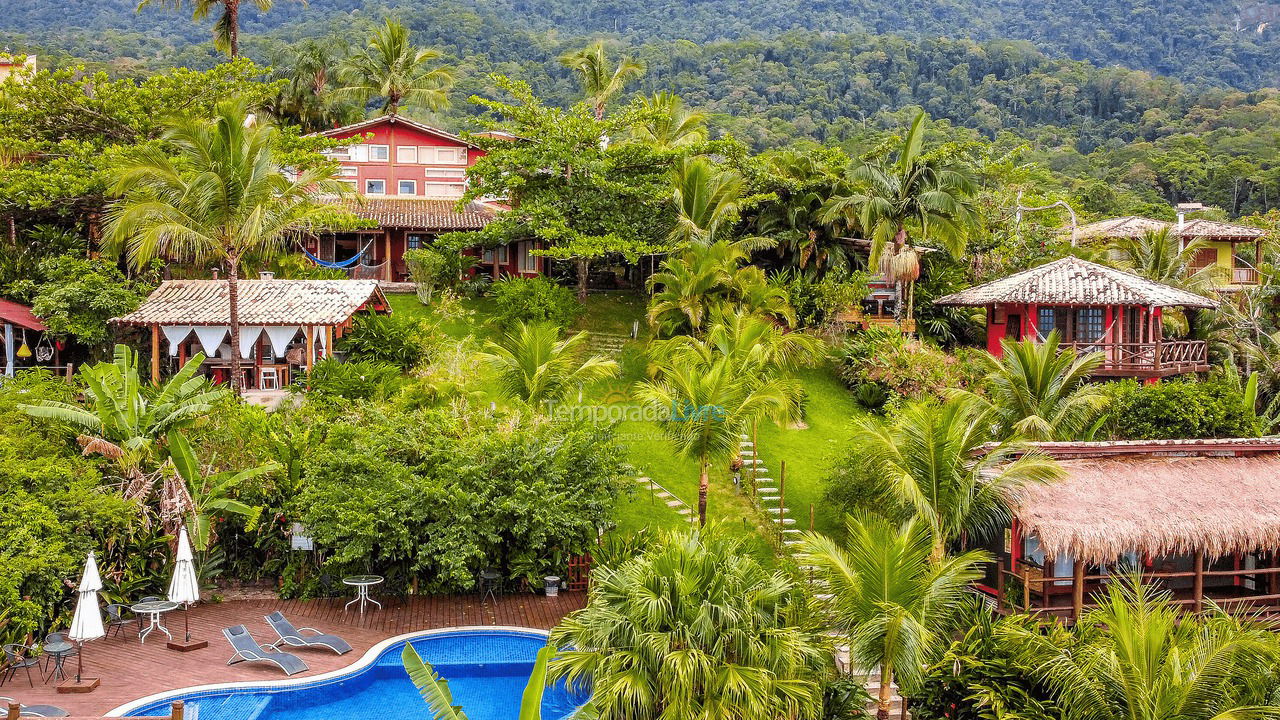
248,650
34,710
293,637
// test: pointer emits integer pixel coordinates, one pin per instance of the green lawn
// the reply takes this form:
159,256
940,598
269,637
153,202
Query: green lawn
808,452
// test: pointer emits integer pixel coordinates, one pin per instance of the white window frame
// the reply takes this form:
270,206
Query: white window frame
368,191
503,256
442,173
401,150
413,187
347,171
527,262
375,150
359,153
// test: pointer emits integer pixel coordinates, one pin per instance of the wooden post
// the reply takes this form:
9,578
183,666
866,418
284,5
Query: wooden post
755,456
328,336
177,711
1077,589
155,354
1197,587
386,255
810,517
14,711
1026,593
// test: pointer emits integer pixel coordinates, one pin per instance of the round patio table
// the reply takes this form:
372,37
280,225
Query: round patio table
59,652
153,610
362,583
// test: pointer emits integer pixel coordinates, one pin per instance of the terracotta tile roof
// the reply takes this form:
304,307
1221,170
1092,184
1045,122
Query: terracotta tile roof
20,315
420,213
262,302
1072,281
393,120
1134,226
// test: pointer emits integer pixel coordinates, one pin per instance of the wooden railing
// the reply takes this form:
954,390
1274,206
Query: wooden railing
1226,276
1165,355
1244,276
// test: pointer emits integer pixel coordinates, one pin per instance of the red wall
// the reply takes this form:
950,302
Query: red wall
395,135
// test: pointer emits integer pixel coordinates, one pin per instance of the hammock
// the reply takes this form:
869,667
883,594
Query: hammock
338,265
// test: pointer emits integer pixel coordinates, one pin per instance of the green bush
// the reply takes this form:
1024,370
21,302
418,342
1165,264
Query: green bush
402,341
78,297
434,496
437,268
1181,408
535,300
901,367
978,678
358,380
816,301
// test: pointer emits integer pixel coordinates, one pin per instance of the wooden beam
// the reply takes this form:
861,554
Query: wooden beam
155,354
1197,586
328,337
1077,590
386,255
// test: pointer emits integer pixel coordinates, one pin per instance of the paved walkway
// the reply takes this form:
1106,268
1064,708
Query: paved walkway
130,670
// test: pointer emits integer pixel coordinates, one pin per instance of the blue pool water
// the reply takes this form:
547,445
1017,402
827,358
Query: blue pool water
487,672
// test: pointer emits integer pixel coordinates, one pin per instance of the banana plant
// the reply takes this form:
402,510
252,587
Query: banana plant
194,498
435,689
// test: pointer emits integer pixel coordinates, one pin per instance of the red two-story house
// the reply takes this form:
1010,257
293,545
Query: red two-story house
408,178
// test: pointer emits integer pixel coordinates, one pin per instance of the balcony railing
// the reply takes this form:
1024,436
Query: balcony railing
1244,276
1170,356
1224,276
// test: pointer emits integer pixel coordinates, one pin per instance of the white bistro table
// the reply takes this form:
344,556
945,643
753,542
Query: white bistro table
153,610
362,583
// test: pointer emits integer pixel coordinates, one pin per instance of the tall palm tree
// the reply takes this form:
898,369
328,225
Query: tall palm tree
1160,256
702,278
226,31
1038,391
126,419
694,628
896,604
706,201
601,81
393,69
310,95
710,399
214,192
1145,659
536,366
667,123
915,193
929,461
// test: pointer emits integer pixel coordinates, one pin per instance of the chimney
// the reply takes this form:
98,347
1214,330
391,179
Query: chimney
215,273
1182,219
264,275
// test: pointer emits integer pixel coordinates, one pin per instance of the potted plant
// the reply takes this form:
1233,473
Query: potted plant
552,585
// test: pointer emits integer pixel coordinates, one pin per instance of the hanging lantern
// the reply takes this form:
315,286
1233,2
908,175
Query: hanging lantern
24,351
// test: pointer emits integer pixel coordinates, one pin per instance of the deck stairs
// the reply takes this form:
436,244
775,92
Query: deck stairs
769,493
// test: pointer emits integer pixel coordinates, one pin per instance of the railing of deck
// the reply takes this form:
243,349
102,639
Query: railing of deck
1169,354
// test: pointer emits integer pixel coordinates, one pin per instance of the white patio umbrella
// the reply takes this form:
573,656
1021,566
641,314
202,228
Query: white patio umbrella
185,587
87,623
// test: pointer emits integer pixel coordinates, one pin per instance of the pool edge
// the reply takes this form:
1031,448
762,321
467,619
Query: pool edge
370,655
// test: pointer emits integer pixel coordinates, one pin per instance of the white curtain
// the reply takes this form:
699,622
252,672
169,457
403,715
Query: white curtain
249,335
175,334
320,336
210,337
280,337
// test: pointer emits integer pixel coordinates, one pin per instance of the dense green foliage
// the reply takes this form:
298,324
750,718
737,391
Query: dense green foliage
77,297
399,340
1179,409
437,497
355,380
534,300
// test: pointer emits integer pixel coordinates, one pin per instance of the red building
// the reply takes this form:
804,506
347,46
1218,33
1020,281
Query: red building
1094,308
409,177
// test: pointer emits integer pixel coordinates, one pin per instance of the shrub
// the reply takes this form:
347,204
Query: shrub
816,301
78,297
535,300
402,341
437,268
900,366
358,380
1181,408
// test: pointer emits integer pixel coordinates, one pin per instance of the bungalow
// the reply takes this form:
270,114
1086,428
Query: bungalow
285,325
1201,518
1232,253
407,178
1094,308
20,349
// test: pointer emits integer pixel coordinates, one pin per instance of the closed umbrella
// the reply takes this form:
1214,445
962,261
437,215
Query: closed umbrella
185,587
87,623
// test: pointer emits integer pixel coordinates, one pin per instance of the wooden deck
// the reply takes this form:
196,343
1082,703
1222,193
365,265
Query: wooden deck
130,670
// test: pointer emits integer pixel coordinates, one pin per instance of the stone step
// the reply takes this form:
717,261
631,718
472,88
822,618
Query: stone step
642,479
777,510
788,521
746,444
746,453
763,479
684,511
675,503
766,490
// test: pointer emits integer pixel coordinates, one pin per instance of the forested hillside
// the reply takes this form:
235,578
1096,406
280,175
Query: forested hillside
1195,40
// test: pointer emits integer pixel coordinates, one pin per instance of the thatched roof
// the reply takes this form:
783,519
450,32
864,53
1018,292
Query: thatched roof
262,302
425,214
1072,281
1172,497
1134,226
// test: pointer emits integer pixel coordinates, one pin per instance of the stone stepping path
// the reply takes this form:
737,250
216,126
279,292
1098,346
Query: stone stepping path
681,507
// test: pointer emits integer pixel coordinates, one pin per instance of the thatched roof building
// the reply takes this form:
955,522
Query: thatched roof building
1156,498
1072,281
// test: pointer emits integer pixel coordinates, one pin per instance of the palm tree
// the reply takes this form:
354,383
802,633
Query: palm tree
704,277
916,192
896,604
310,97
805,183
226,31
216,193
930,463
1144,659
706,201
694,628
667,123
193,498
1038,391
1159,255
126,419
710,399
536,366
600,81
393,69
435,689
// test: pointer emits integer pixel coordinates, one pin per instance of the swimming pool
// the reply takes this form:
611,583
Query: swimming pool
487,671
